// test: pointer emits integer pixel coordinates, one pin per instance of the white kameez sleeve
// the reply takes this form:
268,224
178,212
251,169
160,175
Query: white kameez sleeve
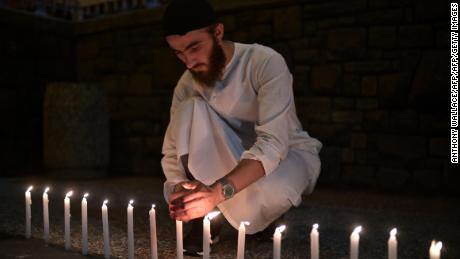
172,168
275,98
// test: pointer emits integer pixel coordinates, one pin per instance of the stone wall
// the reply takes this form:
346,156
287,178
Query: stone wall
33,52
371,82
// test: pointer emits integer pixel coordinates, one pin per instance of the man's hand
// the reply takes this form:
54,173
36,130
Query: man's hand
195,200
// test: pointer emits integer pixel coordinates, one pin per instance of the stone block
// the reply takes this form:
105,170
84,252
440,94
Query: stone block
428,180
351,85
451,178
153,145
394,179
309,27
264,16
367,157
330,134
443,38
254,33
370,66
425,94
361,176
366,103
405,148
76,130
325,79
330,166
288,23
140,84
343,103
426,11
313,109
382,36
404,122
229,22
416,36
87,49
346,43
307,56
301,75
358,140
393,90
347,116
434,124
347,155
440,147
332,8
391,16
369,86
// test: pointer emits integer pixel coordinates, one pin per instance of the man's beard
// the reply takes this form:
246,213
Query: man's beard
216,66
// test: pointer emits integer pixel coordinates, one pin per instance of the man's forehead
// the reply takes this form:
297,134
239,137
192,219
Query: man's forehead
180,42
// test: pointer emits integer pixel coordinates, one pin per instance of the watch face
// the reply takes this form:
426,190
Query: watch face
228,191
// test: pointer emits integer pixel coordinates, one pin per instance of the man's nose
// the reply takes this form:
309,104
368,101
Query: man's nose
189,61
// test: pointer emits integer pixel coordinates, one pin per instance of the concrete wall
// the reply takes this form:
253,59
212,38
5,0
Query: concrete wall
371,82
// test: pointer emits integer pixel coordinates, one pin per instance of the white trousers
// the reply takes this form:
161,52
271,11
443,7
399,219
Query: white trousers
214,149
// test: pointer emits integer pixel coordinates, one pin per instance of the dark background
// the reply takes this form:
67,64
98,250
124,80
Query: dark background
371,83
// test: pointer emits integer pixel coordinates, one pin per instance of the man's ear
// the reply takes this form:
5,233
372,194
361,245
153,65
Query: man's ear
219,31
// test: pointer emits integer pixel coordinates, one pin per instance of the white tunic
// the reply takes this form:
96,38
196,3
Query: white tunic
249,114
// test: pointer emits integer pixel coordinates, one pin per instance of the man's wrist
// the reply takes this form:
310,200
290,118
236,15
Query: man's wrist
218,189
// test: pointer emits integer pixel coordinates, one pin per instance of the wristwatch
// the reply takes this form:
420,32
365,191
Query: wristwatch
228,190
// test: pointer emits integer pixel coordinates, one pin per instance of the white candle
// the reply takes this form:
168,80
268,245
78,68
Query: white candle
207,233
435,250
241,239
277,242
46,219
105,227
28,211
179,248
129,211
354,243
153,233
393,245
314,242
84,225
67,220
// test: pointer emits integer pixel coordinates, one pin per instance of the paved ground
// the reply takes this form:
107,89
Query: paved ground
418,219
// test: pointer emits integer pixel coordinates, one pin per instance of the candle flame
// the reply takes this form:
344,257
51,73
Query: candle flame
212,214
153,206
46,190
357,230
69,194
131,202
393,232
438,246
315,226
86,195
30,188
244,223
280,229
105,202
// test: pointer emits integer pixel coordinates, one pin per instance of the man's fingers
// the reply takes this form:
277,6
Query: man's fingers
197,203
193,196
174,196
189,214
190,185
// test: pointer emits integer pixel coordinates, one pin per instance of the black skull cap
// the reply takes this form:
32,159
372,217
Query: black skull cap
182,16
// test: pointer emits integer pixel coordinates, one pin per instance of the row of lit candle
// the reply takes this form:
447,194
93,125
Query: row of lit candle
84,224
434,252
